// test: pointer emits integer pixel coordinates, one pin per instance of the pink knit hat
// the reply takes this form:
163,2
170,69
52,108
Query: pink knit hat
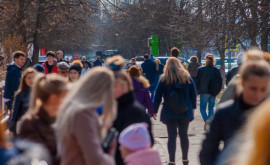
135,137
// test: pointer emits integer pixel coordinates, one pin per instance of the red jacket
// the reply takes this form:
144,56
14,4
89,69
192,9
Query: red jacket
54,70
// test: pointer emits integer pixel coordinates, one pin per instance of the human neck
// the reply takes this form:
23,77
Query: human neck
50,62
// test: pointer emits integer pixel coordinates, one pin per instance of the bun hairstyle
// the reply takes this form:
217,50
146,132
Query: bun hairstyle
45,86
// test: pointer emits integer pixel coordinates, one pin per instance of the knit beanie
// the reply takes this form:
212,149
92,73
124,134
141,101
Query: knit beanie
135,137
76,67
39,68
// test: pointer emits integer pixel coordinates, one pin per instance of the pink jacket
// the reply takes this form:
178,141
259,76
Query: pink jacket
143,157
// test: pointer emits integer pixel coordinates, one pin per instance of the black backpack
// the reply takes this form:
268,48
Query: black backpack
215,83
177,101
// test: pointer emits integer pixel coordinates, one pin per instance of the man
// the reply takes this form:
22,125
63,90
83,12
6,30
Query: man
149,70
84,61
13,78
97,62
204,81
175,53
59,56
63,68
50,65
234,70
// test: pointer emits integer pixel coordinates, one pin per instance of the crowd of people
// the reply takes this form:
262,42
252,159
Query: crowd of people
100,114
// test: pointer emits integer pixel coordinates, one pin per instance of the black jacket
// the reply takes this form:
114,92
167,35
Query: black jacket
149,70
231,74
21,106
97,63
204,76
229,118
129,112
12,81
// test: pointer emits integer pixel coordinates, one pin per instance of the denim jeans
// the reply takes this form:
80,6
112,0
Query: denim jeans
182,126
204,100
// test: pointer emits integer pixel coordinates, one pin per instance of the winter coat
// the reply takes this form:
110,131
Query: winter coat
231,74
38,128
21,106
163,91
129,112
54,70
149,70
142,96
88,63
193,69
12,81
82,144
97,63
143,157
203,78
229,118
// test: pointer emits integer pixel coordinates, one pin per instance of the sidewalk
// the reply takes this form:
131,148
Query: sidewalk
195,133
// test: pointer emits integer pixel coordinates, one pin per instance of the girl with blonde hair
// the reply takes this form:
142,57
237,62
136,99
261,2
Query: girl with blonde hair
22,98
36,125
79,129
176,86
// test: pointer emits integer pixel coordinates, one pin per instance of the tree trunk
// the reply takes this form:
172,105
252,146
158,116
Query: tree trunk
22,21
199,55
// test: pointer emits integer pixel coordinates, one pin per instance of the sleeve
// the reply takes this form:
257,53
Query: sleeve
198,78
15,79
158,95
210,145
16,112
149,102
228,77
193,94
86,134
27,131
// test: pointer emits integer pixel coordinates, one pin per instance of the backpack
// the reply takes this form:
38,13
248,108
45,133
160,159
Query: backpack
177,100
215,83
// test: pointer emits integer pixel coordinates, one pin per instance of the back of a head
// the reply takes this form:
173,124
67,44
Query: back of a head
146,57
209,60
194,59
175,52
134,71
174,72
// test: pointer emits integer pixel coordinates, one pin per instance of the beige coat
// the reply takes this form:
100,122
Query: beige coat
82,144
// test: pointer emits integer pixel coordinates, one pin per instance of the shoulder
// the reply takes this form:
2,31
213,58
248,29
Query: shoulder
225,107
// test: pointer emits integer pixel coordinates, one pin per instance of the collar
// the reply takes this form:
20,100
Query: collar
14,63
125,99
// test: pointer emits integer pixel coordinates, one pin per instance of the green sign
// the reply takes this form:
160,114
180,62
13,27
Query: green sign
153,44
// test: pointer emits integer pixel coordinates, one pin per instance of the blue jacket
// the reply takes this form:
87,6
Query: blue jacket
97,63
150,69
12,81
203,78
163,90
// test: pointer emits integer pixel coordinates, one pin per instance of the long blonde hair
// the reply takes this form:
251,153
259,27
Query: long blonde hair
174,72
93,90
23,86
256,139
44,86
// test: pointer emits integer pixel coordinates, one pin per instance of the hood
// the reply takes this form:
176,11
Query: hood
144,157
136,84
12,67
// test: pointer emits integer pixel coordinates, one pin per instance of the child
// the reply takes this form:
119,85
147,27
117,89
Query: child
135,146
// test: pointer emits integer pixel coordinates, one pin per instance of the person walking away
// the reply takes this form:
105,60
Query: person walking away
13,76
80,130
129,111
177,89
85,69
175,52
234,70
135,146
209,84
60,57
193,67
149,70
63,68
141,89
50,65
84,61
160,70
47,95
232,115
22,98
97,62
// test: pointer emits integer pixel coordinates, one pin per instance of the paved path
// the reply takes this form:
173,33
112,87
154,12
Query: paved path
196,135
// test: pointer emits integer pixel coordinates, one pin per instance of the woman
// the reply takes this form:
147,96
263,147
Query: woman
47,94
129,110
141,88
74,72
176,75
253,84
193,67
79,129
22,98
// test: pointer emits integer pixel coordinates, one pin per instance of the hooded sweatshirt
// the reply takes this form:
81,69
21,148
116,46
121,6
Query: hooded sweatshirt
12,81
146,156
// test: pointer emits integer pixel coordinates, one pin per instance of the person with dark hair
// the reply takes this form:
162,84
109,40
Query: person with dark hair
97,62
22,98
149,70
39,68
13,78
193,67
203,81
50,65
175,52
74,72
